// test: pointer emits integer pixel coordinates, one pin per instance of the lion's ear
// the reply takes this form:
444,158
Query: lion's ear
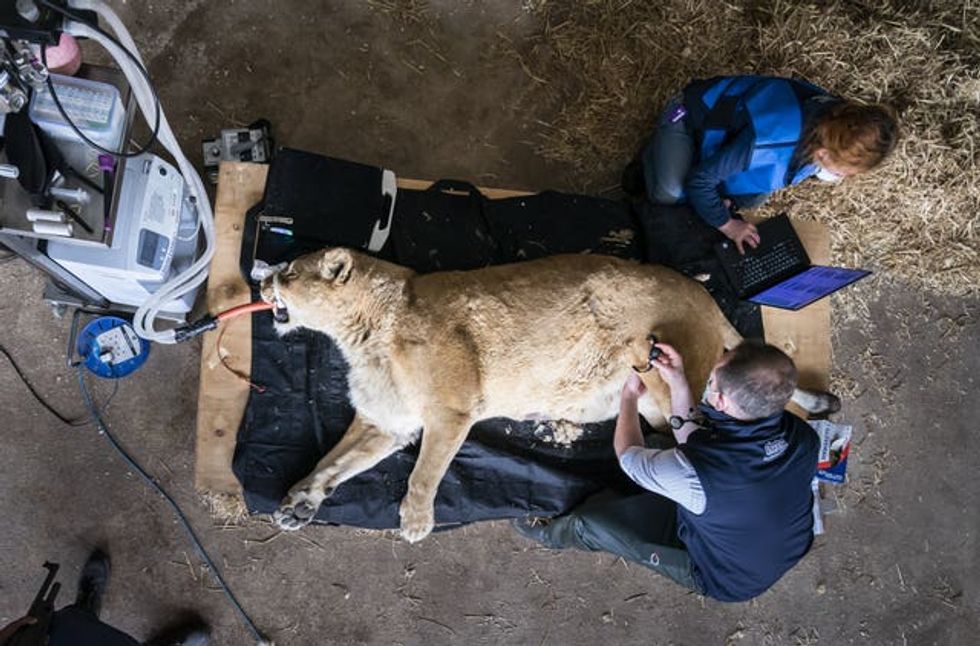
336,265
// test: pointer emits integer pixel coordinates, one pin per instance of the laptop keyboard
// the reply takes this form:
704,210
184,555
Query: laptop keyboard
757,270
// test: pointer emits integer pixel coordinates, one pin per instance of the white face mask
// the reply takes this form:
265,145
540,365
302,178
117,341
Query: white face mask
704,394
825,175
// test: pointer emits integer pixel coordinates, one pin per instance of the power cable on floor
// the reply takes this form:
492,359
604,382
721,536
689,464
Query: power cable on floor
155,485
95,417
84,420
64,419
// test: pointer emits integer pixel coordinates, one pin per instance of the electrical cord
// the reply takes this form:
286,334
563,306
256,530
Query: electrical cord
95,417
103,429
238,374
64,419
139,66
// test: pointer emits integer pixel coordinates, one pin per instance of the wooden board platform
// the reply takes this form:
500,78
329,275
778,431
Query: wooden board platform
222,396
804,335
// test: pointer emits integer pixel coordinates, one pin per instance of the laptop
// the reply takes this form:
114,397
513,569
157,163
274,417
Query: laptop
778,272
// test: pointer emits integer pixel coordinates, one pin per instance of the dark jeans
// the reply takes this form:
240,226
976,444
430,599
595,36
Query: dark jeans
641,528
668,157
74,626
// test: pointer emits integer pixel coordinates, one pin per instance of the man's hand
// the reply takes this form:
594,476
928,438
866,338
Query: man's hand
670,365
741,233
671,368
633,387
627,431
8,631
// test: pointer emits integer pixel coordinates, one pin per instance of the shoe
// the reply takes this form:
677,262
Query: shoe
532,527
195,637
92,582
192,632
632,180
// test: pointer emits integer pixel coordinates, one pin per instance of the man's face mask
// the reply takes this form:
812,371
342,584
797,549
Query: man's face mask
708,390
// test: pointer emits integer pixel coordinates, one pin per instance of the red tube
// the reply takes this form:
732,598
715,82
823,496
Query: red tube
247,308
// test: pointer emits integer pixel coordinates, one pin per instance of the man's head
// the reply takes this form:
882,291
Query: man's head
752,381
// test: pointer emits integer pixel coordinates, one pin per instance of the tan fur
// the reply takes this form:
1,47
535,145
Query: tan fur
553,338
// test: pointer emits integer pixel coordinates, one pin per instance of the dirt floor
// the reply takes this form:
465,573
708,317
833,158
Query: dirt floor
431,98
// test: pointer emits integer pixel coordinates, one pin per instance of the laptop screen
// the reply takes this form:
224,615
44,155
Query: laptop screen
808,286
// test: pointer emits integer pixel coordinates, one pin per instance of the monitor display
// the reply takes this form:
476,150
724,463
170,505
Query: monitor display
808,286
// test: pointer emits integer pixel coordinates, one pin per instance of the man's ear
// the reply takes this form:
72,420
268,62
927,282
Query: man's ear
336,265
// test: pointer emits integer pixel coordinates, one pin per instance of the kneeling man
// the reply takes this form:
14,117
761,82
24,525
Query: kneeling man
731,508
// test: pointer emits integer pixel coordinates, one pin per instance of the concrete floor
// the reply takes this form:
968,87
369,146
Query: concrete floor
899,564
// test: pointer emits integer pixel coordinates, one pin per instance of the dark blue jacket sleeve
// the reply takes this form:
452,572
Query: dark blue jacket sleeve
703,182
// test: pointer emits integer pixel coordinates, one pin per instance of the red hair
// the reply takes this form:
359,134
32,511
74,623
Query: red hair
855,135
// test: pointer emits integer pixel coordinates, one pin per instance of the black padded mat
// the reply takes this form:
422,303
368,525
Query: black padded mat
505,468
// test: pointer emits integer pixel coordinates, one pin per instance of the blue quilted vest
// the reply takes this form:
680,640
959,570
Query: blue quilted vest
758,522
720,107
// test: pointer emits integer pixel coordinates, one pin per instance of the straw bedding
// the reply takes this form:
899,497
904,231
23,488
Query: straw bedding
606,67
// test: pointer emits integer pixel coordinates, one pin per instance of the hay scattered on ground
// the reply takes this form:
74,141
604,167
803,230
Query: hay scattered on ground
226,508
607,67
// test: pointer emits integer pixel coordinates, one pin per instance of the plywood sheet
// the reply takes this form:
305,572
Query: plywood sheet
222,395
805,335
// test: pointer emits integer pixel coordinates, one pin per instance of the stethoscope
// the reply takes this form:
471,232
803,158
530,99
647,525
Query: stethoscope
675,421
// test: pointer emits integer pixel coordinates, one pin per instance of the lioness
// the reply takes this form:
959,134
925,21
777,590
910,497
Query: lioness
551,339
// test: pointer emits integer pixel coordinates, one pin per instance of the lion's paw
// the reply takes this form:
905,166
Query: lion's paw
297,510
417,522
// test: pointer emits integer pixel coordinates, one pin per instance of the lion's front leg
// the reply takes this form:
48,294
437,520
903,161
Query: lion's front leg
442,435
361,447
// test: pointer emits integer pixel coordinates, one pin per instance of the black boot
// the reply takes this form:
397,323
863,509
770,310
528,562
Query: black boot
92,582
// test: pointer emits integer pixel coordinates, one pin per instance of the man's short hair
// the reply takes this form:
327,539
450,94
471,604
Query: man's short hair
758,377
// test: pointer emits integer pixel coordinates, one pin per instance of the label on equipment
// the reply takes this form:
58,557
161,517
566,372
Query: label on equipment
835,445
120,343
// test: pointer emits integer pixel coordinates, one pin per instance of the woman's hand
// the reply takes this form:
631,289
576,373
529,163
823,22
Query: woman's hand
741,233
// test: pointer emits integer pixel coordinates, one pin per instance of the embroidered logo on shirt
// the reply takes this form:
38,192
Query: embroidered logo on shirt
774,449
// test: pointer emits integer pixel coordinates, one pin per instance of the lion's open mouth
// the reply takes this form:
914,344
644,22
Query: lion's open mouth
279,311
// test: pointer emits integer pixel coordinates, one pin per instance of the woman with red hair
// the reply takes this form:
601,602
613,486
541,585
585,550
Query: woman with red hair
734,140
